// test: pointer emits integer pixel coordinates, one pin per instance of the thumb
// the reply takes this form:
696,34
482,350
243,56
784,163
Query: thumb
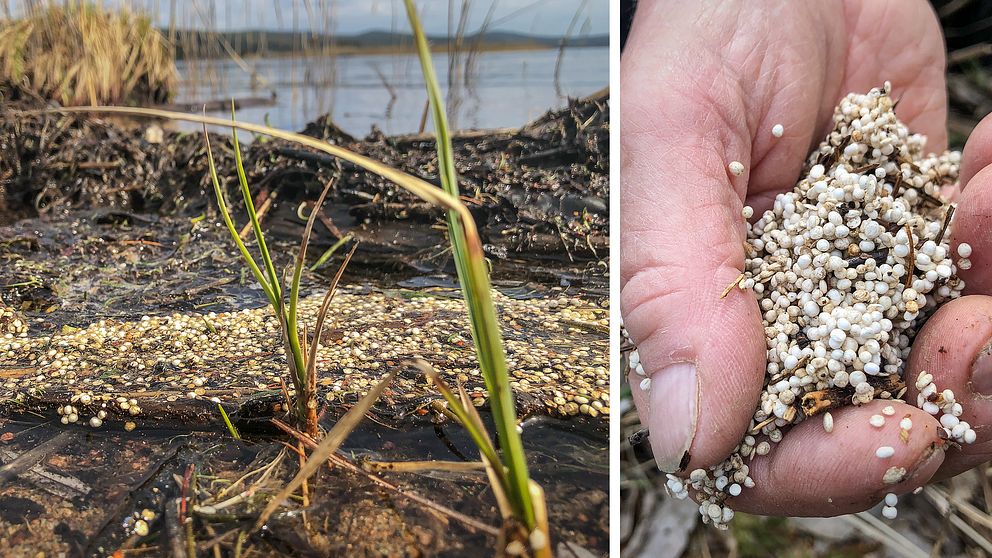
691,104
682,245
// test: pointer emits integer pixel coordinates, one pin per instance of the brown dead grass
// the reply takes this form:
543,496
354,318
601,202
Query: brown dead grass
80,55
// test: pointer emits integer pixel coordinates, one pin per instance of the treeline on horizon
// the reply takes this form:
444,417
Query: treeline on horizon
207,44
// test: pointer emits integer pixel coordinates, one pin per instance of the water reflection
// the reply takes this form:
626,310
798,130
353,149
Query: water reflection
501,89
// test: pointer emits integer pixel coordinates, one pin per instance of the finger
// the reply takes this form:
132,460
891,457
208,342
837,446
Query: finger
977,152
918,80
961,362
815,473
704,355
681,246
973,224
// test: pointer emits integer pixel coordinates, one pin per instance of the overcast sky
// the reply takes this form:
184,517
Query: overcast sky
540,17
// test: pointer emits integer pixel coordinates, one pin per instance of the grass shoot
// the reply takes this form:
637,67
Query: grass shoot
510,473
300,355
470,262
227,422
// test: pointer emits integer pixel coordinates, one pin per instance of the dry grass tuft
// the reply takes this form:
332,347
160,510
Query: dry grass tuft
82,54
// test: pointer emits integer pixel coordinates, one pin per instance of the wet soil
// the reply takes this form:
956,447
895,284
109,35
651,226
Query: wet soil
84,494
538,194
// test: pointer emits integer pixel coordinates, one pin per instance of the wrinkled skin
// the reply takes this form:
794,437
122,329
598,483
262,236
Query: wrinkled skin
702,84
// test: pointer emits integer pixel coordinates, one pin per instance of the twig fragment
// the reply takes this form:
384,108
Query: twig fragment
731,286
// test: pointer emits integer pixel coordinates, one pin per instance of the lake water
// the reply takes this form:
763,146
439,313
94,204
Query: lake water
503,89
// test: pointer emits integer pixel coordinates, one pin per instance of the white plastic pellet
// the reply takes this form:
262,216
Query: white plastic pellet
885,452
646,384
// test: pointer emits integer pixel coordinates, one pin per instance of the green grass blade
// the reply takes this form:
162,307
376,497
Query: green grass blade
250,206
292,341
476,288
228,423
461,408
457,407
219,193
330,252
294,292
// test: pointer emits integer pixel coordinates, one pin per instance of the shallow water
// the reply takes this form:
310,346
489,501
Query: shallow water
86,488
504,89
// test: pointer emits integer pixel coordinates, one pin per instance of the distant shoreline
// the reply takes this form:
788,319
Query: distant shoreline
388,50
205,45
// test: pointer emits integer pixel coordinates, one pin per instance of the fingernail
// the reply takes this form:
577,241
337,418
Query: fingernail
925,467
674,404
981,371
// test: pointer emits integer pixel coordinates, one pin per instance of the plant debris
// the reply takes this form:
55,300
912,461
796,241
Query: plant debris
540,190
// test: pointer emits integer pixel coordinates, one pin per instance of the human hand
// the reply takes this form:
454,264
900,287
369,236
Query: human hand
702,84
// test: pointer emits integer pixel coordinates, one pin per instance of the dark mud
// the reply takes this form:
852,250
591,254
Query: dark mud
88,488
87,491
539,194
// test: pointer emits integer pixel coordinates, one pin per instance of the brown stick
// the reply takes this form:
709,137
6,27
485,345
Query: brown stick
261,213
947,221
816,402
34,456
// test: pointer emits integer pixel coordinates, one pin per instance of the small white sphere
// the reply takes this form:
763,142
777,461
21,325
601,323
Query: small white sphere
970,436
964,250
778,130
885,452
959,430
736,168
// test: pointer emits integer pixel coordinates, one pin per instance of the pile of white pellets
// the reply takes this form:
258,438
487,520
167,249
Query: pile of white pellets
845,268
11,323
